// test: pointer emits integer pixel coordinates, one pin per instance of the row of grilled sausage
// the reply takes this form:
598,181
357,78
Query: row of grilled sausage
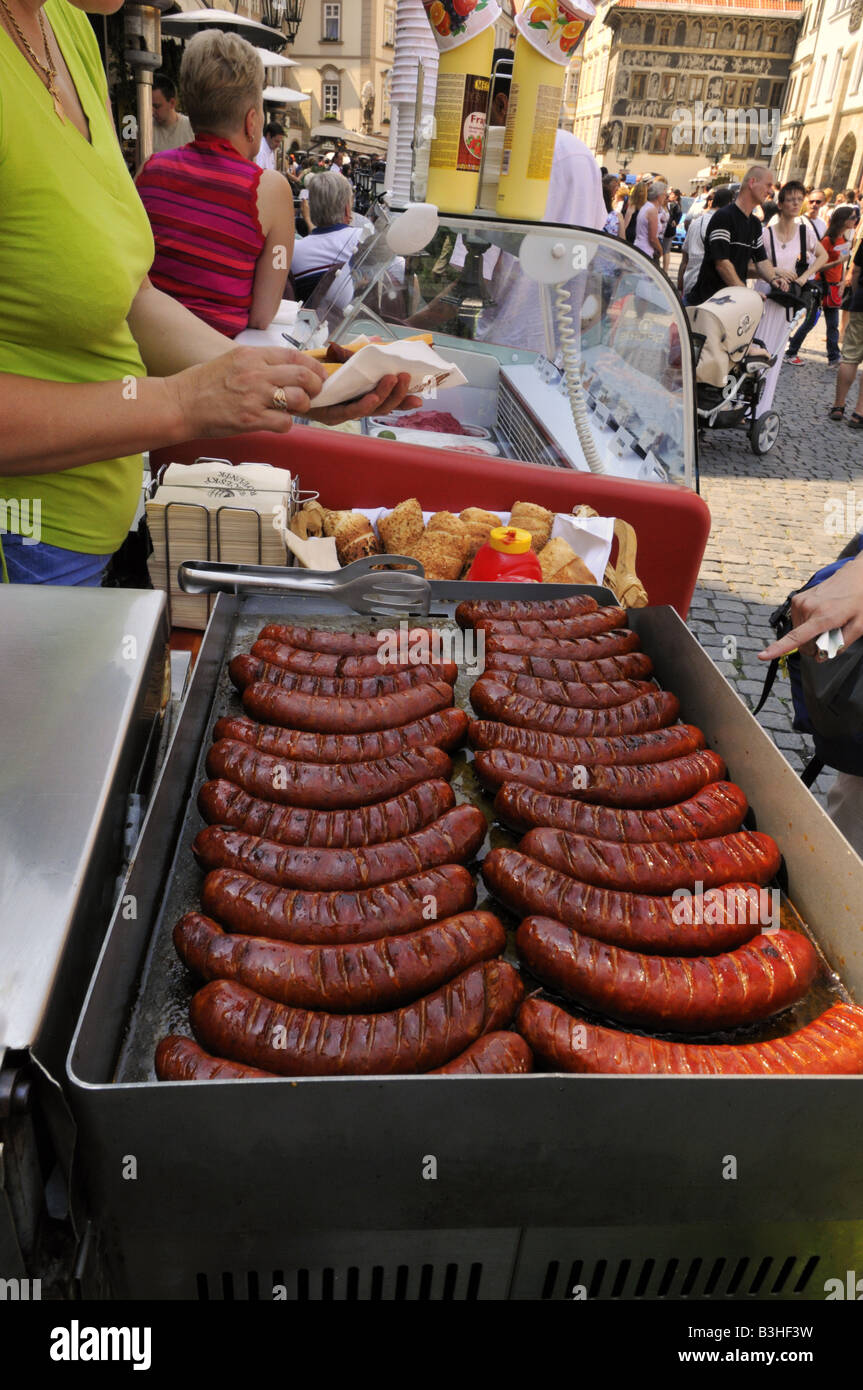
338,935
624,812
332,826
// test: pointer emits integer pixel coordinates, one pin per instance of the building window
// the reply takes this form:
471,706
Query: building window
331,98
696,88
630,137
636,85
730,93
669,82
834,76
776,96
744,96
389,27
820,78
709,40
858,71
665,36
741,38
660,140
332,23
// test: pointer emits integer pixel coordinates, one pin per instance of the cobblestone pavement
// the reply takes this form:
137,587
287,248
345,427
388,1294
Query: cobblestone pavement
772,527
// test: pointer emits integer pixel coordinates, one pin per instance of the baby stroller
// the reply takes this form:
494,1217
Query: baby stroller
730,366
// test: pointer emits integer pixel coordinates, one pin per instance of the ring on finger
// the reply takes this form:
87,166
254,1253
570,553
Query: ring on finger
280,400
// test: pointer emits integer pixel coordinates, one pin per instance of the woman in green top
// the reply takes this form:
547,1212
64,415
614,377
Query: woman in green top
95,364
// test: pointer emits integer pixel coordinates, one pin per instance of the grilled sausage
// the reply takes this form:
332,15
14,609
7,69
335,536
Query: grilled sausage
652,746
245,670
315,639
717,809
326,664
614,643
585,625
832,1045
644,786
373,975
324,786
329,714
221,803
236,1022
574,694
181,1059
745,857
494,1054
453,839
492,700
246,905
468,612
631,666
446,729
672,994
703,924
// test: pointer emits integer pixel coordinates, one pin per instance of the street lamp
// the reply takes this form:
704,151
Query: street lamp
287,13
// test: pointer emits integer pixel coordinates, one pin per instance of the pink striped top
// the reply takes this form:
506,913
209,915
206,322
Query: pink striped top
202,204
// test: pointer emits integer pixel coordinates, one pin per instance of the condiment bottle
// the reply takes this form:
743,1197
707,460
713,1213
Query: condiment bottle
507,556
549,31
464,30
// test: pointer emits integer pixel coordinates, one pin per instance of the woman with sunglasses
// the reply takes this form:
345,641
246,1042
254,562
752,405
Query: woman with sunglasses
792,246
813,212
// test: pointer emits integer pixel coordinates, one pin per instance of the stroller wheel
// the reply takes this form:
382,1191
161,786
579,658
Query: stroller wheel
764,432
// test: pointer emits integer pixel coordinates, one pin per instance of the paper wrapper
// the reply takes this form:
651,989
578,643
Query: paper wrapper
362,372
452,27
591,537
555,28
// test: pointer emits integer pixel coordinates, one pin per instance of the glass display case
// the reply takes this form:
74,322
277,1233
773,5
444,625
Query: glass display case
575,345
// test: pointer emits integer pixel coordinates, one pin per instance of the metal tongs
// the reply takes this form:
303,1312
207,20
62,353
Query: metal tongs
365,586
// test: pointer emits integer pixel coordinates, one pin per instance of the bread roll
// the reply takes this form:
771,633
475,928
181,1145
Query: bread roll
560,564
447,522
537,520
479,525
441,554
355,538
402,527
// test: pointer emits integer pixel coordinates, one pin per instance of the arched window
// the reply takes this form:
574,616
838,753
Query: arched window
331,92
695,34
680,34
709,40
726,36
755,36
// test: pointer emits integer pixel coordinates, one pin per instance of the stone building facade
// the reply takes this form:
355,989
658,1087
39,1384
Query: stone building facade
654,70
822,123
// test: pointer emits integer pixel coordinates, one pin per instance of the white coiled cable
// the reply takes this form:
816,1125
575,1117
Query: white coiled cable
572,368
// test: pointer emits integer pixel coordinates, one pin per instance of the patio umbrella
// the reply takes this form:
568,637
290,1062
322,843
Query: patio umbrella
285,96
276,60
184,25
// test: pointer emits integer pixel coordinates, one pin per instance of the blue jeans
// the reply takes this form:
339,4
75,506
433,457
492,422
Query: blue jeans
831,324
48,564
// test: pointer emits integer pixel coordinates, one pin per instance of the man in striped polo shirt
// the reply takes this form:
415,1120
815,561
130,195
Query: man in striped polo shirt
734,241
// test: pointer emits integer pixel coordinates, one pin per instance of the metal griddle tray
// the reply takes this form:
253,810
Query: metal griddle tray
167,986
570,1157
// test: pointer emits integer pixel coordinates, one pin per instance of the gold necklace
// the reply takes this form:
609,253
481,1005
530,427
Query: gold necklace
47,71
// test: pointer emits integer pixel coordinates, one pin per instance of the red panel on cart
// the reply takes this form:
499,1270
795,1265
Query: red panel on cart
352,471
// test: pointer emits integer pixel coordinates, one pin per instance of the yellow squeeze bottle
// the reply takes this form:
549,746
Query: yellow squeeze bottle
463,87
549,31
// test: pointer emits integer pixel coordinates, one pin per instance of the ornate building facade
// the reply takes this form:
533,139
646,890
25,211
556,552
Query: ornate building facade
822,123
654,70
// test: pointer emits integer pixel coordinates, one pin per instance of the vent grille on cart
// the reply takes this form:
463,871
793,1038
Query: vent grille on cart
696,1277
397,1283
526,439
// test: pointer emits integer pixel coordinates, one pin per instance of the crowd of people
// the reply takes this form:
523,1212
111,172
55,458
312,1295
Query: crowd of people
740,234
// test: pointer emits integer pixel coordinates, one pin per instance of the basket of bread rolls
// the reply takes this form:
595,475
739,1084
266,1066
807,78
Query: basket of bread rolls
446,543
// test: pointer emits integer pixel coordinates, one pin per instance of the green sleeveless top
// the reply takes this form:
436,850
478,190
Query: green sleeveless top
75,244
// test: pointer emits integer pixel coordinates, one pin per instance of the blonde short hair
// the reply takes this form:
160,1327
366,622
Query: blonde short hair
221,77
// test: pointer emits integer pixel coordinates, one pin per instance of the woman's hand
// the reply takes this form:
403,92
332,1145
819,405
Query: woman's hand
835,603
233,394
389,394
